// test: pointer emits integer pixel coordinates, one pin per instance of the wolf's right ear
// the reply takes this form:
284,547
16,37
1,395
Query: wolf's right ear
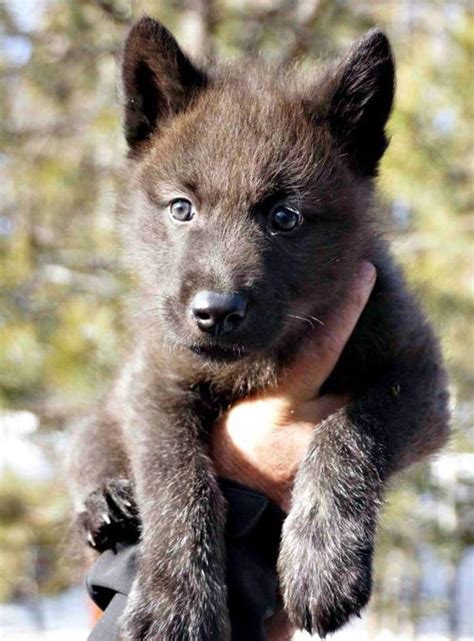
361,96
158,80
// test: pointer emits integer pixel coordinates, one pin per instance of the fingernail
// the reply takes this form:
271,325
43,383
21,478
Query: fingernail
366,272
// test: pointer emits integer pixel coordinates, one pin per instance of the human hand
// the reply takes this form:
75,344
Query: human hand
261,441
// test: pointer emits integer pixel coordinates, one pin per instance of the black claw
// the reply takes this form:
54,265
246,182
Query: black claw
308,621
321,633
111,516
91,540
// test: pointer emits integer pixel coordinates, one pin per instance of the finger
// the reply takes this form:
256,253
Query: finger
319,409
319,355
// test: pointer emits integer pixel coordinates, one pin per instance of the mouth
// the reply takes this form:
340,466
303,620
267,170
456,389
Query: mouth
219,353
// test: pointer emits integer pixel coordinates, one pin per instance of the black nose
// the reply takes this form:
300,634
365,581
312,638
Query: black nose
218,313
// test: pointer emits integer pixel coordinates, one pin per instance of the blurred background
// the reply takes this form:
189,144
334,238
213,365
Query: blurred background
61,287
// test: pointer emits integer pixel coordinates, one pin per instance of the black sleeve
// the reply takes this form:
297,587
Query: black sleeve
252,539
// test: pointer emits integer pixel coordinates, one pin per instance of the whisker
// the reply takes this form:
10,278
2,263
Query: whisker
308,318
144,312
302,318
318,320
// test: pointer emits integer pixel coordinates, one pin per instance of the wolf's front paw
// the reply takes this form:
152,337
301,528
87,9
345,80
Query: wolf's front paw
325,576
153,615
150,617
110,516
143,618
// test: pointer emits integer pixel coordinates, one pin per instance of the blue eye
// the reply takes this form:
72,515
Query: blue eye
282,219
181,209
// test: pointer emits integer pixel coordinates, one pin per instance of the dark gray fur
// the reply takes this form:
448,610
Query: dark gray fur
234,139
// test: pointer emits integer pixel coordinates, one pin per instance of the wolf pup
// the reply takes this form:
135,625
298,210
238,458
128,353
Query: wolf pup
249,200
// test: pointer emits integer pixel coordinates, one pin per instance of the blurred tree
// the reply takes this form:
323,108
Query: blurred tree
61,148
34,553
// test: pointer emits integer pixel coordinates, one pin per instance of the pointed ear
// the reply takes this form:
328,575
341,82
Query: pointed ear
360,101
158,80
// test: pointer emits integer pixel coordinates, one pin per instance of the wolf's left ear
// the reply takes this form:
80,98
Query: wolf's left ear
158,80
360,101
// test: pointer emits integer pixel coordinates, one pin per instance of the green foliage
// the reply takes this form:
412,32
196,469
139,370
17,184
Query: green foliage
32,537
